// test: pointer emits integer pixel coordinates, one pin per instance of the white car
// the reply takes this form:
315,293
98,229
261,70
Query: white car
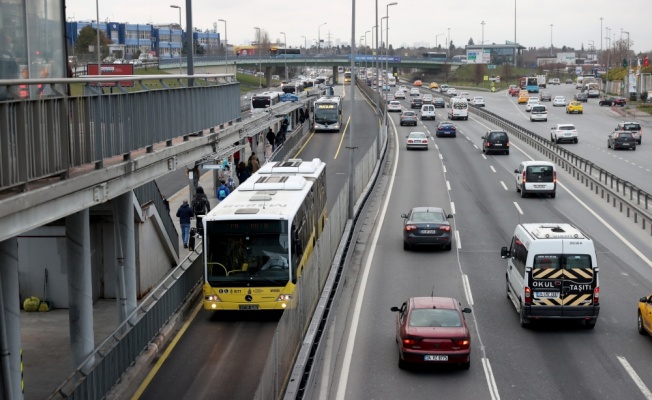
554,81
563,133
416,140
451,91
403,88
559,101
478,101
394,106
443,88
533,101
465,95
399,94
427,98
414,92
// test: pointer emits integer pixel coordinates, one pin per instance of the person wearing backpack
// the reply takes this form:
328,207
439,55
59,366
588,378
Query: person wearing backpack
200,206
222,191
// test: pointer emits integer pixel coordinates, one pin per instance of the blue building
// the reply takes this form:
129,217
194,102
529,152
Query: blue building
209,41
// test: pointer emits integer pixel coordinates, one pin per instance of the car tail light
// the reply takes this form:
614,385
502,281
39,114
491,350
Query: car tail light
488,144
410,227
410,140
410,342
507,144
462,343
596,295
446,228
554,176
528,295
454,128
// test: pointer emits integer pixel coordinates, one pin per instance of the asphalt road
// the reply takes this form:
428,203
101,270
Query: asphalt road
550,361
222,355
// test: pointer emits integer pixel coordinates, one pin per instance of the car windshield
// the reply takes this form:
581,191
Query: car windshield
436,317
418,135
566,127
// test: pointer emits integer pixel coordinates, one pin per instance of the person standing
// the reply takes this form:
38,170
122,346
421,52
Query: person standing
8,66
222,191
200,207
185,214
242,172
254,163
271,138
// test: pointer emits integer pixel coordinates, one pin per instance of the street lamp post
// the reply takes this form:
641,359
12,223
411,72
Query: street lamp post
629,65
606,79
551,39
436,40
226,44
448,44
482,43
365,50
260,63
387,49
180,37
600,36
319,38
305,48
285,57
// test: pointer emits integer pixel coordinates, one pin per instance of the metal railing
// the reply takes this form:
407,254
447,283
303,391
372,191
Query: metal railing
150,193
49,135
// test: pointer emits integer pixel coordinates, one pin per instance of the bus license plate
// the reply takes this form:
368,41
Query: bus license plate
248,307
546,295
429,357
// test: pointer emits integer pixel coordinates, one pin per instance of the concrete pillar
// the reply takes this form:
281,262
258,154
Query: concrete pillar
80,290
335,76
11,383
125,250
268,77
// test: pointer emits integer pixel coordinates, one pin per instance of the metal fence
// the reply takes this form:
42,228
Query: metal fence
629,198
150,193
47,136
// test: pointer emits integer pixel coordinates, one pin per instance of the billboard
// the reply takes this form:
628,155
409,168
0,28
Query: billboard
477,56
113,70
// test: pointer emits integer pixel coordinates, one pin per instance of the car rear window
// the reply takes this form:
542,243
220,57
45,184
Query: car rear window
424,216
567,128
539,173
408,114
438,317
624,135
632,127
498,136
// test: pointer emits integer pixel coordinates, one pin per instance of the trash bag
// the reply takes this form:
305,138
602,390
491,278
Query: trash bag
31,304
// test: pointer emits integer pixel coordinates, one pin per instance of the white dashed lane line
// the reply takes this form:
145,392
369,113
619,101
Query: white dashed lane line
518,208
504,186
492,169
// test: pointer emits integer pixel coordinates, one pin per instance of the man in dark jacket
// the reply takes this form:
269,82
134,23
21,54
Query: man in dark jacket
185,214
271,138
200,207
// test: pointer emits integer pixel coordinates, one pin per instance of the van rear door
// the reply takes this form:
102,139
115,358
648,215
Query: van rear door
546,283
539,178
579,283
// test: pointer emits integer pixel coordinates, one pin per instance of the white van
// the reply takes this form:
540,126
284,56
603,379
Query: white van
459,109
539,113
536,177
443,88
427,111
552,273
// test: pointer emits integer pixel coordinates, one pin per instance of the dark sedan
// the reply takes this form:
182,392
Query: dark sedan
613,101
545,96
621,140
446,128
408,118
432,330
416,103
427,226
581,96
438,102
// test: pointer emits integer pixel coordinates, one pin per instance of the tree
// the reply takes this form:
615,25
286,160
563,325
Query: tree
471,42
88,37
451,47
478,73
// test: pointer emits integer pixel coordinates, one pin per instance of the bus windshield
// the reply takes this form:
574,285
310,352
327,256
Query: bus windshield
247,253
326,114
260,102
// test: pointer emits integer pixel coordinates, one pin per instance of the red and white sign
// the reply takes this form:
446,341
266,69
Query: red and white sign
115,70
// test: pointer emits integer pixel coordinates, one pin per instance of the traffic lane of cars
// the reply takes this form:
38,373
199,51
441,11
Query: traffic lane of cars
487,220
395,276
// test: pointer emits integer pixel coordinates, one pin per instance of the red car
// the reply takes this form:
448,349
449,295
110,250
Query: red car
432,330
513,90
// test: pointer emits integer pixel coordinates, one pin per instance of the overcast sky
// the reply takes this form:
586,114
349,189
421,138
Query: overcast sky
412,22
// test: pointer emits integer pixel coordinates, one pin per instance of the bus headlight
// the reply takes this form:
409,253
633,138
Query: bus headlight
284,297
212,297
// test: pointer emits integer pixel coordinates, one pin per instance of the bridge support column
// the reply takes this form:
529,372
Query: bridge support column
335,75
125,243
11,382
80,288
268,77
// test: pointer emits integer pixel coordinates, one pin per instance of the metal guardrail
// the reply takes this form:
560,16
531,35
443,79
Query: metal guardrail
621,193
47,136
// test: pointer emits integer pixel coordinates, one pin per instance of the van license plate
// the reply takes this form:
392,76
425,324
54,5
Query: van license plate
435,358
546,295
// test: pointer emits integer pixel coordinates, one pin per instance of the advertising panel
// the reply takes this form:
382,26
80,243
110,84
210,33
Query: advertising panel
113,70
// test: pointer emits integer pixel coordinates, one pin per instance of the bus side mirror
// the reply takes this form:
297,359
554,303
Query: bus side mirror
504,253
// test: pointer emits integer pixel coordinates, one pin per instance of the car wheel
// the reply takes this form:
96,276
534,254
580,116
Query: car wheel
448,247
553,195
466,365
518,190
576,140
608,145
483,150
641,328
590,323
406,246
633,148
552,139
401,363
507,153
525,323
454,135
639,142
523,194
581,112
545,120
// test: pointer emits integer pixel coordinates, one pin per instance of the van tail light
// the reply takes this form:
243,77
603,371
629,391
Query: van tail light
410,227
554,176
488,144
596,295
523,179
528,295
446,228
507,144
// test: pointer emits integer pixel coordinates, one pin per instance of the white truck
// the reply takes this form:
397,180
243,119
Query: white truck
541,81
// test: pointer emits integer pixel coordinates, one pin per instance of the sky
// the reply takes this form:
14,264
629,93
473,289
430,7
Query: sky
411,22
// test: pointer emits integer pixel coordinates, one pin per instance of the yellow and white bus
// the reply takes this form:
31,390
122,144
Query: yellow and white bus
258,240
347,77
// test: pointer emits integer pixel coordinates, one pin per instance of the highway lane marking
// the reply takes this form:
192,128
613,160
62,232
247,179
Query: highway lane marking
448,185
304,145
492,168
355,320
457,239
441,157
600,219
339,147
444,169
467,289
325,373
518,208
483,156
453,207
504,186
491,382
166,354
637,379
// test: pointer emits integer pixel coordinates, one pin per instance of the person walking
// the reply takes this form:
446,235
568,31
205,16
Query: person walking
222,191
185,214
253,163
242,172
302,116
200,207
271,138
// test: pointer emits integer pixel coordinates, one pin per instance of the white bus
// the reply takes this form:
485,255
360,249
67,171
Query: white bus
328,114
263,101
391,80
259,239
